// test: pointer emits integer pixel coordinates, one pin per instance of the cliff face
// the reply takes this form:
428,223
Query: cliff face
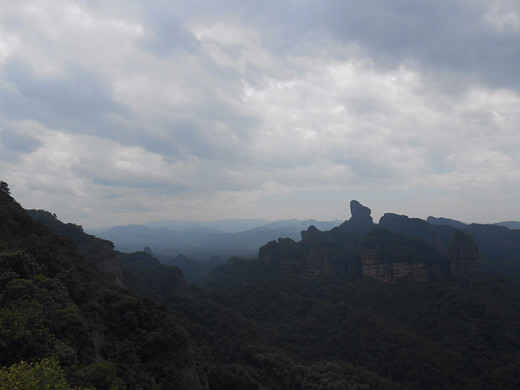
398,247
322,253
390,272
388,257
314,265
464,254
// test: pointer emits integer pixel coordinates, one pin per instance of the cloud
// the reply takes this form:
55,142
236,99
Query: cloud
77,98
19,142
120,110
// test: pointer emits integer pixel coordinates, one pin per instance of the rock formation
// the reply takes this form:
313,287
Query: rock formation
464,254
388,257
398,247
361,221
313,265
393,271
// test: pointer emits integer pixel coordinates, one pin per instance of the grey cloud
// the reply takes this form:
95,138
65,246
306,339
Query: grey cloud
267,112
447,35
15,144
167,33
78,100
441,36
21,143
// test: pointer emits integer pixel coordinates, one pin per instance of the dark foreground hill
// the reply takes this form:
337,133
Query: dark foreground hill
254,324
63,297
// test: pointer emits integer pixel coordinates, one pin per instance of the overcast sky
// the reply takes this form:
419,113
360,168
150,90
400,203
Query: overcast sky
118,112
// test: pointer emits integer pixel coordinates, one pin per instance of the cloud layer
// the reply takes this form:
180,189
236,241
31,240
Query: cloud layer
122,112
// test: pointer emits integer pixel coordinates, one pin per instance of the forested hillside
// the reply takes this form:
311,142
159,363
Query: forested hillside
62,298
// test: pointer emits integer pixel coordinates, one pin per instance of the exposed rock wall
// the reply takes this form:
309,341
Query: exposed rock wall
314,265
398,247
464,255
390,272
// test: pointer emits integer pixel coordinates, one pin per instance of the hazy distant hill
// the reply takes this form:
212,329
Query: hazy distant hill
441,221
202,240
512,225
228,225
509,224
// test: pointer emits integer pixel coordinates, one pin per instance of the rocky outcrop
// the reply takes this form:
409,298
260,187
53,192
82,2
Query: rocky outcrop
316,254
389,257
464,254
398,247
359,212
313,265
438,236
361,221
391,272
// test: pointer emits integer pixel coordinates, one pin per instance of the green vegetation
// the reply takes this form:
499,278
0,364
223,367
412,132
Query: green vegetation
456,332
44,375
62,298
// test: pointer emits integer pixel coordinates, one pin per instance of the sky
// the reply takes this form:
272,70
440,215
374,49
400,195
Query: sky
121,112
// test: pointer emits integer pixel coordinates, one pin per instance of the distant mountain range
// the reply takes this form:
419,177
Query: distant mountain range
510,224
460,225
229,225
196,247
203,240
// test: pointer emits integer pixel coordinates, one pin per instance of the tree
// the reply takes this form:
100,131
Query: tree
4,187
44,375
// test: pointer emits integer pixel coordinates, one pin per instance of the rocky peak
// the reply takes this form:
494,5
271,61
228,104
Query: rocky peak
361,221
310,232
359,212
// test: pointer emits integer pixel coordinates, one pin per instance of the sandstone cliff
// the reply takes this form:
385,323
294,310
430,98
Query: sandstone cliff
391,272
464,254
388,257
398,247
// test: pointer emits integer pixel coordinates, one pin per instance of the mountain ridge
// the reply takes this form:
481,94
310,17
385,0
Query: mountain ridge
193,241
